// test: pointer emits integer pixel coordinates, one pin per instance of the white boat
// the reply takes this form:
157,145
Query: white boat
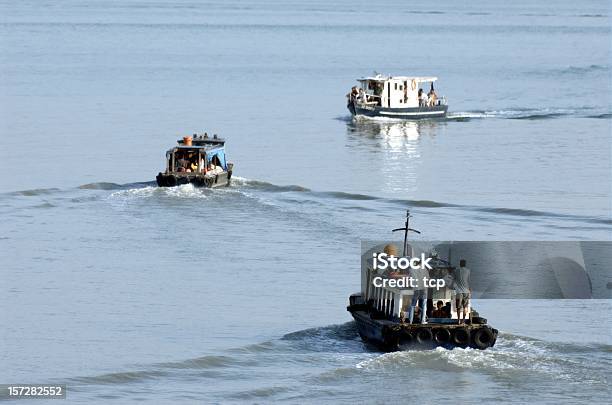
403,97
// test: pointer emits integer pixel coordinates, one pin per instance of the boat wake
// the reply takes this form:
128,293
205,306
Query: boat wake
526,114
509,113
335,353
340,195
184,191
293,195
571,70
512,353
115,186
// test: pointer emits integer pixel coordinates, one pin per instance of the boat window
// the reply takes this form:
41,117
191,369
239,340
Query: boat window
401,87
395,86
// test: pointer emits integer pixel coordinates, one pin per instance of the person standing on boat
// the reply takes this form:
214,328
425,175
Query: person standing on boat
432,96
423,99
420,292
352,96
461,281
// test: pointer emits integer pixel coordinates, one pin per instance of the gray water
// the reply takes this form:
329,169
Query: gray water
124,291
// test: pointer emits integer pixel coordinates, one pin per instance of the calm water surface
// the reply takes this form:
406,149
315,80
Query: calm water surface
126,292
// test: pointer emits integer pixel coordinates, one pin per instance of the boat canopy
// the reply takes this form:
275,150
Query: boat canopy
220,154
210,151
417,79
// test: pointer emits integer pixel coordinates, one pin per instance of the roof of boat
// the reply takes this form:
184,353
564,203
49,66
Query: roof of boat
381,78
200,142
203,147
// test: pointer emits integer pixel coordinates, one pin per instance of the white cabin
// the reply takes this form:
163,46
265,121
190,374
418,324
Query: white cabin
395,301
395,91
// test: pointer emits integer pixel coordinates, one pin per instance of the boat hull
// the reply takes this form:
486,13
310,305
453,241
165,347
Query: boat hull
197,179
414,113
393,336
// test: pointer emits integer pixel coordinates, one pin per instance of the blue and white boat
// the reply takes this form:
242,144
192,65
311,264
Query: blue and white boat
403,97
198,160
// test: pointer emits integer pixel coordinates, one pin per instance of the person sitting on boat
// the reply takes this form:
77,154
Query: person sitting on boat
363,97
214,169
447,310
439,312
182,164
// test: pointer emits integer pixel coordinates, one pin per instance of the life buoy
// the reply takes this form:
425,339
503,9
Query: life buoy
483,338
461,336
413,84
442,336
424,335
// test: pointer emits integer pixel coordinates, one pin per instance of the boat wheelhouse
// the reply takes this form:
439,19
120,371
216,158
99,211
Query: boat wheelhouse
403,97
199,160
380,310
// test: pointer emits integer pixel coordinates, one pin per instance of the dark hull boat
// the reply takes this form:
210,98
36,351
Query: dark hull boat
197,160
414,113
377,328
170,180
380,308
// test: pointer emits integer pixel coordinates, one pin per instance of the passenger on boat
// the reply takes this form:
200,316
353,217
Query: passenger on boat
448,310
420,292
183,163
363,97
214,169
353,94
432,97
439,312
423,99
417,313
461,279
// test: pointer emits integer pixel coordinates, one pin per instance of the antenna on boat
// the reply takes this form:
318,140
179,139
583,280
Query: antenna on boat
406,229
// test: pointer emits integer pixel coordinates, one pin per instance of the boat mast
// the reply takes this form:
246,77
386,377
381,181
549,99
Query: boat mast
406,229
